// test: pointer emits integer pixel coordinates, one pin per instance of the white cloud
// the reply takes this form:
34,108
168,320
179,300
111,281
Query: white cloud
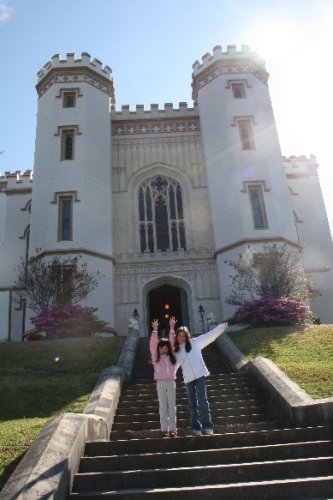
6,13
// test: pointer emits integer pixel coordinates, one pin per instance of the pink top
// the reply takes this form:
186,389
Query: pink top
163,368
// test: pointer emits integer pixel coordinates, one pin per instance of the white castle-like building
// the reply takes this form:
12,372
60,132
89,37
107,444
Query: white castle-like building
157,200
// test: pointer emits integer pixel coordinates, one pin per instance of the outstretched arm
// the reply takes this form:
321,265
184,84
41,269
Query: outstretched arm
209,337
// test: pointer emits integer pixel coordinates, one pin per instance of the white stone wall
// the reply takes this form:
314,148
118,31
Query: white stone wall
103,296
14,241
229,168
4,305
313,230
3,220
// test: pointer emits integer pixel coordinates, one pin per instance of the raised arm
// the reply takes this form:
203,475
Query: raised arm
172,335
154,340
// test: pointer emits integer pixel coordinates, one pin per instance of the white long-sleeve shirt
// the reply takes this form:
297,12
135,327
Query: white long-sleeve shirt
192,363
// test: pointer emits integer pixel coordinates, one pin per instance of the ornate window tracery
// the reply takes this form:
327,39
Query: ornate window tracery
161,217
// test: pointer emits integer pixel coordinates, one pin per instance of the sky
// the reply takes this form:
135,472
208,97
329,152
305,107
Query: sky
151,46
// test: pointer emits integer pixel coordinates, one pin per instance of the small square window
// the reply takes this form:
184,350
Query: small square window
69,99
238,90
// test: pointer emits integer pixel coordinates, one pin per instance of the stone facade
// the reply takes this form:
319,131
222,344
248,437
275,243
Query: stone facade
158,199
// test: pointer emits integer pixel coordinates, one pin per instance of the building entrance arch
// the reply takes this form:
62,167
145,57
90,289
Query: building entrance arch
164,301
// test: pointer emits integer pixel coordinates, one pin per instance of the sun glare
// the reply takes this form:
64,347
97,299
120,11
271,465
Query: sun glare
298,55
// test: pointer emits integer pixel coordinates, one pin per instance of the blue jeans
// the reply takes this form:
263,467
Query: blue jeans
197,396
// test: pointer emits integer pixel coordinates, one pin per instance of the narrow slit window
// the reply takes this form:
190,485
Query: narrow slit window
65,219
64,292
258,207
246,134
67,144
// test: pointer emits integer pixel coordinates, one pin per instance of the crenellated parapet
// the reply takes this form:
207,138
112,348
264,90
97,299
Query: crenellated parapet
300,166
155,120
230,62
14,182
72,70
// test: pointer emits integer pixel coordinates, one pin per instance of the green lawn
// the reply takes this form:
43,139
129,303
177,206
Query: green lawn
304,354
39,380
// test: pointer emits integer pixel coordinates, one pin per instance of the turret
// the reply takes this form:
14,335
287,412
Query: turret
72,195
247,185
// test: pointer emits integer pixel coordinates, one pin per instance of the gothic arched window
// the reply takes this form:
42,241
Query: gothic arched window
161,218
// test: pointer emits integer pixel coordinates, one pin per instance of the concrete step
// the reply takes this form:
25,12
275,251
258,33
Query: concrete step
300,488
182,413
217,387
185,422
208,474
233,377
186,431
213,397
152,407
209,456
261,437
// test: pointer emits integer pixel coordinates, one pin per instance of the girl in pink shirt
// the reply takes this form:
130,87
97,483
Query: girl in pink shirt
165,367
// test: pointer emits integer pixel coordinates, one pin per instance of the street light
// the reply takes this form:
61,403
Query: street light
135,314
202,313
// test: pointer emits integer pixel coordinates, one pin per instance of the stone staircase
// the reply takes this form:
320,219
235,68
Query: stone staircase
252,454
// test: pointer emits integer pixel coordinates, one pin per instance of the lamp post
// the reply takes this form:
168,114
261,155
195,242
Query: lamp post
135,314
202,312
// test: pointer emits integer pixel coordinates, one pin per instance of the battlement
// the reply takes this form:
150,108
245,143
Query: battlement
226,63
183,111
16,180
71,62
300,165
230,54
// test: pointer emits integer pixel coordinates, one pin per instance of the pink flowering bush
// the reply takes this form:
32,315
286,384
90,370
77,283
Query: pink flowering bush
69,320
273,311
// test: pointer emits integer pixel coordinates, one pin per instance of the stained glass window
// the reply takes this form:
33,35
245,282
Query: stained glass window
161,218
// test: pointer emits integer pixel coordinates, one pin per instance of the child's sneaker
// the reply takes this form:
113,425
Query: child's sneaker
165,434
173,434
196,433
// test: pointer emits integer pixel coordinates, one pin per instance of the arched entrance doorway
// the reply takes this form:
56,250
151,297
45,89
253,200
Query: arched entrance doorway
165,301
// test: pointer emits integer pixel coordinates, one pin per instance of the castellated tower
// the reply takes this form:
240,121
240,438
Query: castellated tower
72,192
247,186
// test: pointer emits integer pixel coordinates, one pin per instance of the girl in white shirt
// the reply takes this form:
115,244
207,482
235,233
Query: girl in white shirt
188,354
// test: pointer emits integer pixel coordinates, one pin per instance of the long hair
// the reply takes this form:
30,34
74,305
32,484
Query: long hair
188,346
163,341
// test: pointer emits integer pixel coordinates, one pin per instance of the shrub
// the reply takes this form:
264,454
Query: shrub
34,336
68,321
273,311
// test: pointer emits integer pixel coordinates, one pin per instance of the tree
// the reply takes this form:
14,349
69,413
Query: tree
276,271
57,280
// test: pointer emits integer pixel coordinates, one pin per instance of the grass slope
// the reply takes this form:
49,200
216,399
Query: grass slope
40,380
304,354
